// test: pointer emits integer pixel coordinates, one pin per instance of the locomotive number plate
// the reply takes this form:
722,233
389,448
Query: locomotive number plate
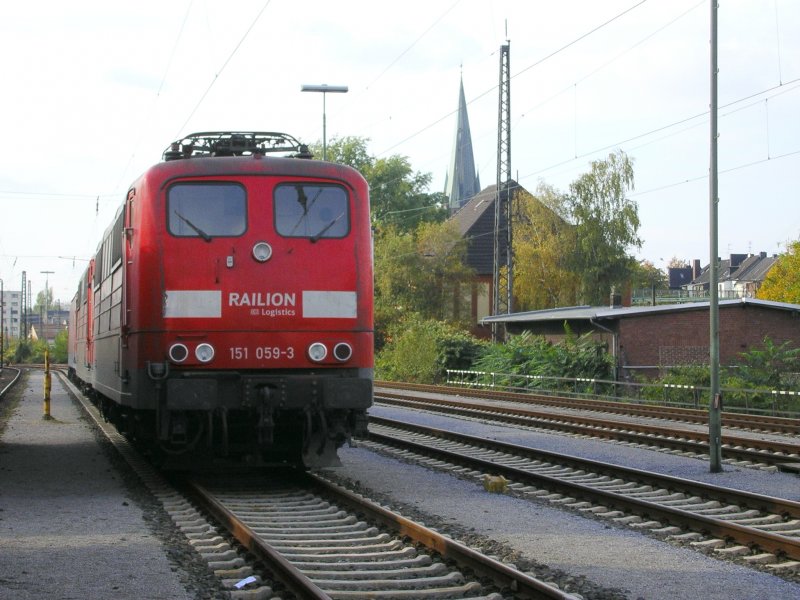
261,352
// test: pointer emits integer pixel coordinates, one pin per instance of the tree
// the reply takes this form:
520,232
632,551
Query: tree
444,270
398,197
348,150
543,241
677,263
397,194
606,226
418,273
45,297
60,347
646,275
782,283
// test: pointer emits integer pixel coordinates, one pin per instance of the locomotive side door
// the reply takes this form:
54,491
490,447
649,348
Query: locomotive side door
127,258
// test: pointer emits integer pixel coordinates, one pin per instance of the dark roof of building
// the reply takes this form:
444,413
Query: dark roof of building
592,313
476,223
739,267
469,214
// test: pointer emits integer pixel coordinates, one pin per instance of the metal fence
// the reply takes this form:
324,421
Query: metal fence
780,403
648,297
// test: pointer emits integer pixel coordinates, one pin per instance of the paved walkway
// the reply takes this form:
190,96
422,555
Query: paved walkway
69,527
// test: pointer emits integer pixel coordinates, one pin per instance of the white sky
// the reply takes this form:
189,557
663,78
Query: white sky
94,91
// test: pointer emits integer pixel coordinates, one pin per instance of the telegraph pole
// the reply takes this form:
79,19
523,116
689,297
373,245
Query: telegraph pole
715,401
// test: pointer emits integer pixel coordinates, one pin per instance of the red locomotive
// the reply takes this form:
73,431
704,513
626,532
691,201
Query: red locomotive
228,309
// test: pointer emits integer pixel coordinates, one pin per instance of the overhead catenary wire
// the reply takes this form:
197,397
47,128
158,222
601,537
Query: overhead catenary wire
222,68
518,73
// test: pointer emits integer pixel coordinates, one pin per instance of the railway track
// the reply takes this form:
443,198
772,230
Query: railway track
8,378
732,420
325,541
312,538
756,529
775,454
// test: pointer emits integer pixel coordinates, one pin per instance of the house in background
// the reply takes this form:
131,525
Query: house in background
739,276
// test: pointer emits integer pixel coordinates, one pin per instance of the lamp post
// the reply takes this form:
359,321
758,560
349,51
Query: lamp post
46,298
324,88
2,325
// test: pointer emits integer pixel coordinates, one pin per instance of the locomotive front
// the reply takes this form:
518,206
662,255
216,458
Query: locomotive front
247,326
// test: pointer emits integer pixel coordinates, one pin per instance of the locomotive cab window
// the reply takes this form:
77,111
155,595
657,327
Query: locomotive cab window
207,210
312,211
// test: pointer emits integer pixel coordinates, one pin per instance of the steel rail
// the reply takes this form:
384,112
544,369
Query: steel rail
284,570
750,449
781,545
13,381
785,425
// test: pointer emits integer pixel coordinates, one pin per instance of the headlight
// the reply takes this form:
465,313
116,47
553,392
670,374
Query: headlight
342,351
204,353
178,353
317,352
262,251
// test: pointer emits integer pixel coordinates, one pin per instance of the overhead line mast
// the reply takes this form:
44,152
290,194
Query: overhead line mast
503,234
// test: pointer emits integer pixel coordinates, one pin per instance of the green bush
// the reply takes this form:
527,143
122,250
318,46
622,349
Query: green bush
421,351
58,353
526,354
766,367
30,352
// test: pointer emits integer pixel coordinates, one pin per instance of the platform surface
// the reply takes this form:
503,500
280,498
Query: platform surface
70,527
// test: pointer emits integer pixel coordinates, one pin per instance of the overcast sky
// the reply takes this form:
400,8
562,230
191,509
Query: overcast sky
93,92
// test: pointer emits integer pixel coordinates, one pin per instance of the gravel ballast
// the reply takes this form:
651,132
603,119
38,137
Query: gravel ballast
612,561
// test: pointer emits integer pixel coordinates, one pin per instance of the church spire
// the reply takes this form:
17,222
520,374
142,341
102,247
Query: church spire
462,181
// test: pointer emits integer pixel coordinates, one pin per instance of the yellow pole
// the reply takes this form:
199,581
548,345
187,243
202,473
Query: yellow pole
47,384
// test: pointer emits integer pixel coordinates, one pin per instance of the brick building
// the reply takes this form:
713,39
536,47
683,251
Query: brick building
647,340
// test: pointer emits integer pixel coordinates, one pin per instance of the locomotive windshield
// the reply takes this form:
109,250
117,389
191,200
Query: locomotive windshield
207,210
312,211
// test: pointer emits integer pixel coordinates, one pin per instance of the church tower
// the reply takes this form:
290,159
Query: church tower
462,181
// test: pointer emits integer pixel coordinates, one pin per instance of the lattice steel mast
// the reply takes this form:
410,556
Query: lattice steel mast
23,323
503,256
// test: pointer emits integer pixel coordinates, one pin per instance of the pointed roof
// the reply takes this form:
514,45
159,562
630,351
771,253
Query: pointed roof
462,181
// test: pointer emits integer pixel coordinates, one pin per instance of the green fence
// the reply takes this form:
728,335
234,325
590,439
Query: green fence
780,403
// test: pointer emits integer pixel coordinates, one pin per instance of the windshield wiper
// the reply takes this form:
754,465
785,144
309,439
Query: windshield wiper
322,231
196,229
302,200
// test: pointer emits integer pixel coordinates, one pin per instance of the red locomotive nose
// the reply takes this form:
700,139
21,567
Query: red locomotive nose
228,310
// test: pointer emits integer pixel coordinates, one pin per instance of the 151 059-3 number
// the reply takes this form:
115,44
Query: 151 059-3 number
261,352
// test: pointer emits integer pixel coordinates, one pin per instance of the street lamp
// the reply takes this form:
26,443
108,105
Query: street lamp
324,88
46,293
2,327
